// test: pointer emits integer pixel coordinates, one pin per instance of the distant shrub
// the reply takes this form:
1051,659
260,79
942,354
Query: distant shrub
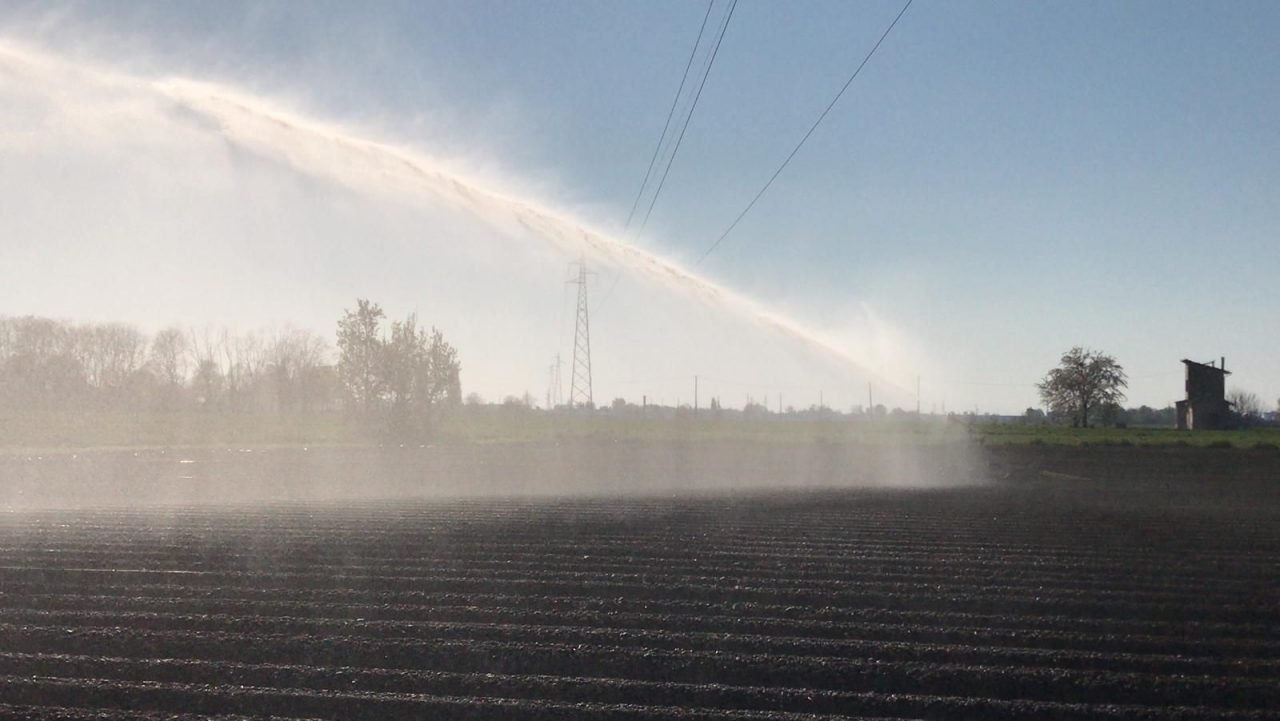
1124,442
1220,443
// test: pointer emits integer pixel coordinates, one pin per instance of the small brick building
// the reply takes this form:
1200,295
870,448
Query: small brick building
1206,406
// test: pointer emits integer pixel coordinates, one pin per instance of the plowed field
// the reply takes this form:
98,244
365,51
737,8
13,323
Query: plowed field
1053,599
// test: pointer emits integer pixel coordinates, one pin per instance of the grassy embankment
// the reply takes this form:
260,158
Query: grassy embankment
999,435
52,432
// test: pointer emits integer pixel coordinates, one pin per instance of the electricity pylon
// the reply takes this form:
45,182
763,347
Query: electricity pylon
580,387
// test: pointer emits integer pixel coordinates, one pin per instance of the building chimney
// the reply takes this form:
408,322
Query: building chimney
1224,363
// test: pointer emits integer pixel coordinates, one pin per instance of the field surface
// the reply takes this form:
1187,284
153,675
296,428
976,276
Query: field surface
78,432
1041,596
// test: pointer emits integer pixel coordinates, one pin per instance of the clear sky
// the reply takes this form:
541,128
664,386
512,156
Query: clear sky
1003,181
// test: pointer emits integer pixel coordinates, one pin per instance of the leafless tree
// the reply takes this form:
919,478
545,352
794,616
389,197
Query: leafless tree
110,353
42,337
1247,406
169,359
208,381
8,337
293,358
40,368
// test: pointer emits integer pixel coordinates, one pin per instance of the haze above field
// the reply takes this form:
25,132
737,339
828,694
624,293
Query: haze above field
1002,182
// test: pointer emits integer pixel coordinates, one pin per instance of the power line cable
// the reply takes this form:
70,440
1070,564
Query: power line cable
707,72
664,141
814,127
670,114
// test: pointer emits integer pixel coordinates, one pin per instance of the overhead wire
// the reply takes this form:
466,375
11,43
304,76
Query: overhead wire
675,102
664,140
689,116
812,128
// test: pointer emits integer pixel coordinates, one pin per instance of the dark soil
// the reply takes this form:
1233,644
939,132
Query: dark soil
1084,583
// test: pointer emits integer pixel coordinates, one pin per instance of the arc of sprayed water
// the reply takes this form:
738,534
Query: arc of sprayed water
252,123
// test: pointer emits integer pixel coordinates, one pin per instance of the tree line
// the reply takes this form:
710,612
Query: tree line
397,379
51,364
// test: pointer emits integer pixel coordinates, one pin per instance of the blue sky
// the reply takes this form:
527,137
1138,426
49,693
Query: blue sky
1003,181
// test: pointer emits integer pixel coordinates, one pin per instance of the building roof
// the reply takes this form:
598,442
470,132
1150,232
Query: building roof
1207,366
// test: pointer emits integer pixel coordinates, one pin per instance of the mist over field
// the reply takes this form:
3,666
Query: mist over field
623,468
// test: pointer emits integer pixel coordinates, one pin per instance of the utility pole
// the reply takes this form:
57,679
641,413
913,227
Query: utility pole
553,385
580,395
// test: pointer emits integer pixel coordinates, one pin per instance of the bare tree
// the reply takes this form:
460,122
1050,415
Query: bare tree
1084,381
40,367
42,337
168,358
8,337
1246,406
292,357
208,381
253,354
111,353
246,360
233,371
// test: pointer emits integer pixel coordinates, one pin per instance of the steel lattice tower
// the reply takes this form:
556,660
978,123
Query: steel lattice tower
580,388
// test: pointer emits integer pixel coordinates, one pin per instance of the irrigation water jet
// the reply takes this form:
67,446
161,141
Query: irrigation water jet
321,150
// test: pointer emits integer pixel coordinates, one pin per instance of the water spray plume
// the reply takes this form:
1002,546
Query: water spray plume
340,156
313,148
